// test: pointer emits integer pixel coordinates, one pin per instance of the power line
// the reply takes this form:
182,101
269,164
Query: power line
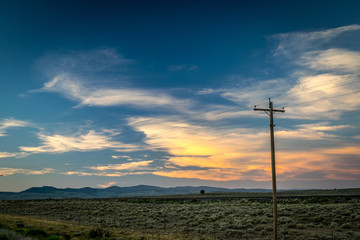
303,90
321,99
199,123
320,85
203,122
303,93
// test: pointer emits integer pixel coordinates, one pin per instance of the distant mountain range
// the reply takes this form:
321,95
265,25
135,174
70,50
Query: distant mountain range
47,192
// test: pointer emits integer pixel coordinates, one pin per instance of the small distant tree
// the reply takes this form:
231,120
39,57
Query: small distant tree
202,191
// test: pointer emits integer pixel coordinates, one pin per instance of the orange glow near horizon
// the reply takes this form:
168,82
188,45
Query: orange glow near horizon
224,155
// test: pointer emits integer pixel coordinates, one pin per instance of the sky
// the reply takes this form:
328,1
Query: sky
121,93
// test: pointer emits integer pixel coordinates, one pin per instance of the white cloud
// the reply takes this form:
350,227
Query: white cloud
103,174
316,131
333,59
302,41
76,75
73,88
124,166
11,123
336,96
16,155
91,141
117,157
78,173
11,171
7,154
251,94
226,113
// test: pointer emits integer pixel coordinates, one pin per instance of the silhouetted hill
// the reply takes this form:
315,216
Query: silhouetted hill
114,191
41,190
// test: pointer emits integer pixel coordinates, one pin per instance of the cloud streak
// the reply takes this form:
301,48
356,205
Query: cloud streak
73,88
100,60
131,166
75,76
11,123
302,41
333,59
91,141
11,171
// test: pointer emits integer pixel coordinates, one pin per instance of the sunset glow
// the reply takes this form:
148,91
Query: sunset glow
121,96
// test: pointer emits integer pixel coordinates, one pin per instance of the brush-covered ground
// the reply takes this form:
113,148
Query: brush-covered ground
323,216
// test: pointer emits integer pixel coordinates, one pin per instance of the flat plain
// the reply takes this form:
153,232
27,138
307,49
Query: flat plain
316,214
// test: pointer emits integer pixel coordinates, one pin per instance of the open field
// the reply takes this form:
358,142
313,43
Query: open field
320,215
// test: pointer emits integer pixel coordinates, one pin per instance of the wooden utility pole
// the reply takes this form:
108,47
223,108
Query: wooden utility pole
270,111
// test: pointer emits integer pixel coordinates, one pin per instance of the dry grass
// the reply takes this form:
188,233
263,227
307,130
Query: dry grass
312,218
79,231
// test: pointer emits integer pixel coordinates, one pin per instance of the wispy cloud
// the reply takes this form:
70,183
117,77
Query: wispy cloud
316,131
11,171
124,166
302,41
103,174
333,59
10,155
91,141
7,154
99,60
73,88
73,76
109,184
121,156
246,94
11,123
183,67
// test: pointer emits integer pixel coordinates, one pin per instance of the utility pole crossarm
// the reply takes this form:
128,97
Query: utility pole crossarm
261,109
268,110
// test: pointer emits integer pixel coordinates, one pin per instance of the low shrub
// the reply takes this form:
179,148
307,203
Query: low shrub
20,225
66,236
334,225
357,236
4,237
53,237
300,226
291,225
20,231
34,232
98,233
346,226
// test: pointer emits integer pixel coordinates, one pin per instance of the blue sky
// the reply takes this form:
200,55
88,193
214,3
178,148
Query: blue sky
103,93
